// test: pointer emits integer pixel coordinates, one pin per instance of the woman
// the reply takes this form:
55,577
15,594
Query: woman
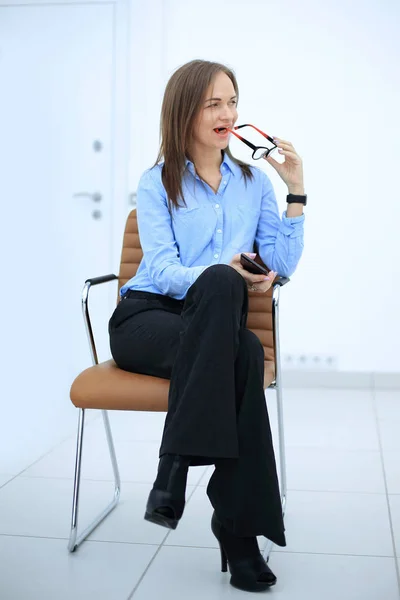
183,316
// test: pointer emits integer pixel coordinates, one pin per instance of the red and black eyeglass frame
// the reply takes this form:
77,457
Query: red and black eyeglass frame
258,151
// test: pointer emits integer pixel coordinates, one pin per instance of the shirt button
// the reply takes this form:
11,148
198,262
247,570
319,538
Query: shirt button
219,230
224,182
217,206
216,255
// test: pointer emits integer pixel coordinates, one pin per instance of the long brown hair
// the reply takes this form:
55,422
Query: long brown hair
183,99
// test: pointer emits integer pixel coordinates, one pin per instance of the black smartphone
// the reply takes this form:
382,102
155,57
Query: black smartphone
250,265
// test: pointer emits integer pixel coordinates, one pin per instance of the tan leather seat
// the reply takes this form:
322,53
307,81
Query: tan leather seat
105,386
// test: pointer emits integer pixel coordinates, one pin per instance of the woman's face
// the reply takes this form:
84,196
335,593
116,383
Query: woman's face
218,110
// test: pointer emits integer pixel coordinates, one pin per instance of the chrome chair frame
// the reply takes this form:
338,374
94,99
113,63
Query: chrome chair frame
74,539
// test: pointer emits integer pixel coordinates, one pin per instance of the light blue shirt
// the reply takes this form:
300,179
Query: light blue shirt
211,228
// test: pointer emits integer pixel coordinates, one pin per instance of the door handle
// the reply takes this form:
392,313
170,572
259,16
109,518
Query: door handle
96,196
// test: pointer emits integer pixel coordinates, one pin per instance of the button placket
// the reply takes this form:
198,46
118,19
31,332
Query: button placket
218,240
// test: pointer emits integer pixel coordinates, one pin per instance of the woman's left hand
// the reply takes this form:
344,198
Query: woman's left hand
291,171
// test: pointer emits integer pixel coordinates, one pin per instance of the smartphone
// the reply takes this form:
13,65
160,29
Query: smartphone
250,265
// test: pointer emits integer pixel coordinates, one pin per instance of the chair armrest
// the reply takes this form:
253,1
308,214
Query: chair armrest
281,281
276,287
85,310
101,279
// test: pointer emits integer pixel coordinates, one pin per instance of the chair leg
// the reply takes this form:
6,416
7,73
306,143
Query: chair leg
282,450
277,386
74,539
282,459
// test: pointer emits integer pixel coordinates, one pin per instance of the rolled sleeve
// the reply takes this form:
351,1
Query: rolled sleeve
279,241
292,226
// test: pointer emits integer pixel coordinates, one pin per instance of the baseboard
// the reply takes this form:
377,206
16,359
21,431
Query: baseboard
340,380
386,381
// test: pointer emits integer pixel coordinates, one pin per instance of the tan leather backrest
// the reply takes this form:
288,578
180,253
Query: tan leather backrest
260,305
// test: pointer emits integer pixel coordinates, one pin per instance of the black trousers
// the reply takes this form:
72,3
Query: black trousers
217,412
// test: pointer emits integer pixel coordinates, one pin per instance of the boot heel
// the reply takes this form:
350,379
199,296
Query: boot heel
224,560
216,529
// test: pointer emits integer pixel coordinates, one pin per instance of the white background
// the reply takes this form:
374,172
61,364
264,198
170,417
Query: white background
324,77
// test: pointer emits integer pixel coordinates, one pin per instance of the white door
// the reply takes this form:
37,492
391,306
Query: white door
56,99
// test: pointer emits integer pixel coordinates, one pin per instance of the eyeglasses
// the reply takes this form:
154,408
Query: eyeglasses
258,151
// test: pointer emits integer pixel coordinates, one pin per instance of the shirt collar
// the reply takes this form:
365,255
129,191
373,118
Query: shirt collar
226,165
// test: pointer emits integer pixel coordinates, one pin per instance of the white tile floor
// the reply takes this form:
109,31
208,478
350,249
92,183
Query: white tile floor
342,521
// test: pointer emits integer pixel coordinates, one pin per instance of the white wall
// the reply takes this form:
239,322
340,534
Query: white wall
324,76
56,99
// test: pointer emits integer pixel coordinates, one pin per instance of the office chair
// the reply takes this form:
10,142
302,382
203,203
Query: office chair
105,387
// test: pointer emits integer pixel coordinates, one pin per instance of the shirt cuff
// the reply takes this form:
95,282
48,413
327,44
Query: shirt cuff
292,226
292,220
196,272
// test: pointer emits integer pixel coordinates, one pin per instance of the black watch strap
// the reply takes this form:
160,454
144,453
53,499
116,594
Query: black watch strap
291,198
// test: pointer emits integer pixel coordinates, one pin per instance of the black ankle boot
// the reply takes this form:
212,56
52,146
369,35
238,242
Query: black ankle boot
249,571
167,498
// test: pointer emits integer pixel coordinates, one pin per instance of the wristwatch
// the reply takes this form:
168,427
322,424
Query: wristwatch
291,198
